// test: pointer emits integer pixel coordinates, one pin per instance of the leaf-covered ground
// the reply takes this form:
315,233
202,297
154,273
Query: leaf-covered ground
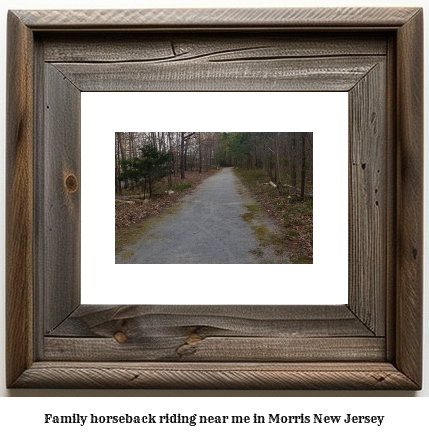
127,214
293,215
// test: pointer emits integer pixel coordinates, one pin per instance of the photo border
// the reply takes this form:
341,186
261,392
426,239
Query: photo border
49,340
307,112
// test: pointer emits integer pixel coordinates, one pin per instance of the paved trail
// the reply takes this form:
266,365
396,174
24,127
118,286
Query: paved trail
208,227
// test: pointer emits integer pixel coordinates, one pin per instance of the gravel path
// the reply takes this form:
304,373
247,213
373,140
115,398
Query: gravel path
207,227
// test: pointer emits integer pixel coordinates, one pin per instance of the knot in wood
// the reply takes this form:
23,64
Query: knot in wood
193,337
120,337
71,183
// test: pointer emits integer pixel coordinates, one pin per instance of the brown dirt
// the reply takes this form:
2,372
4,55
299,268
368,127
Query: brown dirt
127,214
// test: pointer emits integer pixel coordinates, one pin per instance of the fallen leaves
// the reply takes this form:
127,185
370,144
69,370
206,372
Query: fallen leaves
293,216
127,213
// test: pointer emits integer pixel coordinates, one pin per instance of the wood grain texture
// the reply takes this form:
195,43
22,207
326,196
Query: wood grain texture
330,74
409,281
224,47
193,347
19,200
207,18
368,202
61,186
99,321
391,190
39,152
302,375
213,333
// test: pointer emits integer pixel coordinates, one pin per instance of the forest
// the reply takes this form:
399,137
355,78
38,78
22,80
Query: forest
155,169
143,158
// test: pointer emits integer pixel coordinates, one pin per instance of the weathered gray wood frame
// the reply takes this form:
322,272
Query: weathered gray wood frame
374,342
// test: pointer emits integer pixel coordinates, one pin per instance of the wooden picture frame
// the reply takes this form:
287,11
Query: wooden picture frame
373,342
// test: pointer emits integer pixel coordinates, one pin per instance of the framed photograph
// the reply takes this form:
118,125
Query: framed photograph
234,217
58,59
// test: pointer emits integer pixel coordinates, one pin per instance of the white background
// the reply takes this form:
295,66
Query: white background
323,113
403,414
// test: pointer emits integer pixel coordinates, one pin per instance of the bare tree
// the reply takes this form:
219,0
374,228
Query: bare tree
183,148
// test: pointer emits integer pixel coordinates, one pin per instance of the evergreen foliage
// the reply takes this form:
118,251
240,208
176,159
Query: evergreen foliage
145,169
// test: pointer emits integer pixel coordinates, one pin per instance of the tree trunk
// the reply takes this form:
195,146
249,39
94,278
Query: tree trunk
123,153
303,163
117,165
185,154
183,150
171,170
293,161
200,157
276,148
150,186
182,155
